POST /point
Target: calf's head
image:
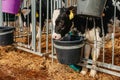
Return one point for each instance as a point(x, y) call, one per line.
point(25, 16)
point(63, 22)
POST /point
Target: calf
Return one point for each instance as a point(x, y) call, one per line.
point(89, 27)
point(64, 23)
point(26, 14)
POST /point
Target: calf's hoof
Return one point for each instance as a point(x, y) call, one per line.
point(84, 71)
point(93, 73)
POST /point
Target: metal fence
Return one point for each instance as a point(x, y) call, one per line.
point(26, 40)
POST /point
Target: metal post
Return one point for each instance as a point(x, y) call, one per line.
point(39, 31)
point(47, 26)
point(1, 17)
point(33, 2)
point(60, 3)
point(66, 3)
point(54, 4)
point(113, 35)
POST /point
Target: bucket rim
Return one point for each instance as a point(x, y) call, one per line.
point(75, 41)
point(6, 28)
point(69, 47)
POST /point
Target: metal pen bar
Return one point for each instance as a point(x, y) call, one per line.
point(105, 71)
point(66, 3)
point(33, 3)
point(103, 40)
point(47, 26)
point(52, 8)
point(30, 51)
point(113, 35)
point(57, 4)
point(60, 3)
point(28, 29)
point(69, 2)
point(106, 65)
point(40, 35)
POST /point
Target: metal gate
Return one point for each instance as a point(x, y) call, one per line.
point(25, 37)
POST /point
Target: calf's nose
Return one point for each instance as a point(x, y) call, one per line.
point(56, 36)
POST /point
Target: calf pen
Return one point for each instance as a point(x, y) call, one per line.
point(26, 40)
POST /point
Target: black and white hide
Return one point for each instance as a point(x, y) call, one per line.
point(92, 28)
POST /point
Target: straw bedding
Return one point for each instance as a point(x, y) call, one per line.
point(19, 65)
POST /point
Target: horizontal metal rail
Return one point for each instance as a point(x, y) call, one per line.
point(109, 67)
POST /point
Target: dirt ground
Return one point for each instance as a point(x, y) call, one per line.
point(19, 65)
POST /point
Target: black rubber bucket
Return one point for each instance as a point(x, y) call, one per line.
point(91, 7)
point(68, 52)
point(6, 35)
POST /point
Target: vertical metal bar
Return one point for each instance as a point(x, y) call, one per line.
point(113, 34)
point(57, 4)
point(103, 40)
point(27, 4)
point(71, 2)
point(24, 3)
point(40, 14)
point(52, 3)
point(60, 3)
point(95, 44)
point(8, 20)
point(66, 3)
point(1, 17)
point(33, 3)
point(47, 26)
point(75, 2)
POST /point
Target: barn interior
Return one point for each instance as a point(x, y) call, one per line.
point(32, 56)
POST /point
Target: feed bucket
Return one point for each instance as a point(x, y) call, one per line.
point(11, 6)
point(68, 52)
point(91, 7)
point(6, 35)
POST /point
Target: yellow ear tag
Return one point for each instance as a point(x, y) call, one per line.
point(71, 16)
point(18, 14)
point(37, 15)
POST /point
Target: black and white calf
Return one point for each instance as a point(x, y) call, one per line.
point(89, 27)
point(64, 23)
point(26, 15)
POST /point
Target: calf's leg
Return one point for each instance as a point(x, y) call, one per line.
point(86, 56)
point(95, 54)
